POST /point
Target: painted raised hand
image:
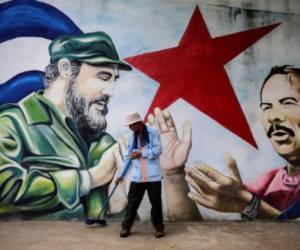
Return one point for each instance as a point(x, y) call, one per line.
point(175, 151)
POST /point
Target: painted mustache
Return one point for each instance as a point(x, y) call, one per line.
point(279, 127)
point(102, 98)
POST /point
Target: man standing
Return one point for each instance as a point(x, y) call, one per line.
point(144, 149)
point(276, 190)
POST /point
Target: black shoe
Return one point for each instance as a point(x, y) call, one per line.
point(95, 221)
point(159, 234)
point(124, 233)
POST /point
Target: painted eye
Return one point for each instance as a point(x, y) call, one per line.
point(289, 103)
point(105, 76)
point(265, 107)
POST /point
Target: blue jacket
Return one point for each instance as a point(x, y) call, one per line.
point(146, 168)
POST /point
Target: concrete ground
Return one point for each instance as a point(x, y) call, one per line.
point(56, 235)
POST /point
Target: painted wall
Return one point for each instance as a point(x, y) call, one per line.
point(204, 61)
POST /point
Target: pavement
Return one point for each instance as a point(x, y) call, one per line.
point(74, 235)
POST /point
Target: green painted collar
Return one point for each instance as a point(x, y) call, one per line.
point(35, 108)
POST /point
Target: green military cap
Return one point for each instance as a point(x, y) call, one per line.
point(95, 48)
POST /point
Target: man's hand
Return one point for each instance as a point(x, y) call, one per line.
point(175, 151)
point(135, 155)
point(217, 191)
point(118, 181)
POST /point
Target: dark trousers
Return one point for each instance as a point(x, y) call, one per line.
point(135, 196)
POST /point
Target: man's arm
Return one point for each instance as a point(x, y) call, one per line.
point(172, 160)
point(154, 150)
point(224, 193)
point(24, 187)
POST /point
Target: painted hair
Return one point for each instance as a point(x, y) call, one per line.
point(52, 72)
point(287, 70)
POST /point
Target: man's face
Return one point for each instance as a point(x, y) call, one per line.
point(281, 114)
point(95, 82)
point(136, 127)
point(88, 95)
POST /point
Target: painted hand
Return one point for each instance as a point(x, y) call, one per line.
point(119, 151)
point(119, 199)
point(175, 151)
point(217, 191)
point(110, 164)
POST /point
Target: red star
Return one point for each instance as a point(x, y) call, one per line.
point(194, 71)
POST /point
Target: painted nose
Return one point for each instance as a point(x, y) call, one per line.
point(276, 116)
point(109, 89)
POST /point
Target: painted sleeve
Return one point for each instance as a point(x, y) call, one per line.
point(261, 183)
point(25, 187)
point(154, 149)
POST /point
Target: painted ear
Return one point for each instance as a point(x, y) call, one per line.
point(64, 68)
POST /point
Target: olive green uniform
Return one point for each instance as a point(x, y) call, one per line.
point(44, 161)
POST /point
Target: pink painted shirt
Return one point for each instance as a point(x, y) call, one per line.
point(276, 188)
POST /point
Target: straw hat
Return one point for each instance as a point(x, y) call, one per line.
point(132, 118)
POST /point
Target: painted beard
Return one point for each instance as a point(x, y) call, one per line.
point(91, 122)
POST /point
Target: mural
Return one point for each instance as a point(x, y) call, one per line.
point(61, 136)
point(277, 190)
